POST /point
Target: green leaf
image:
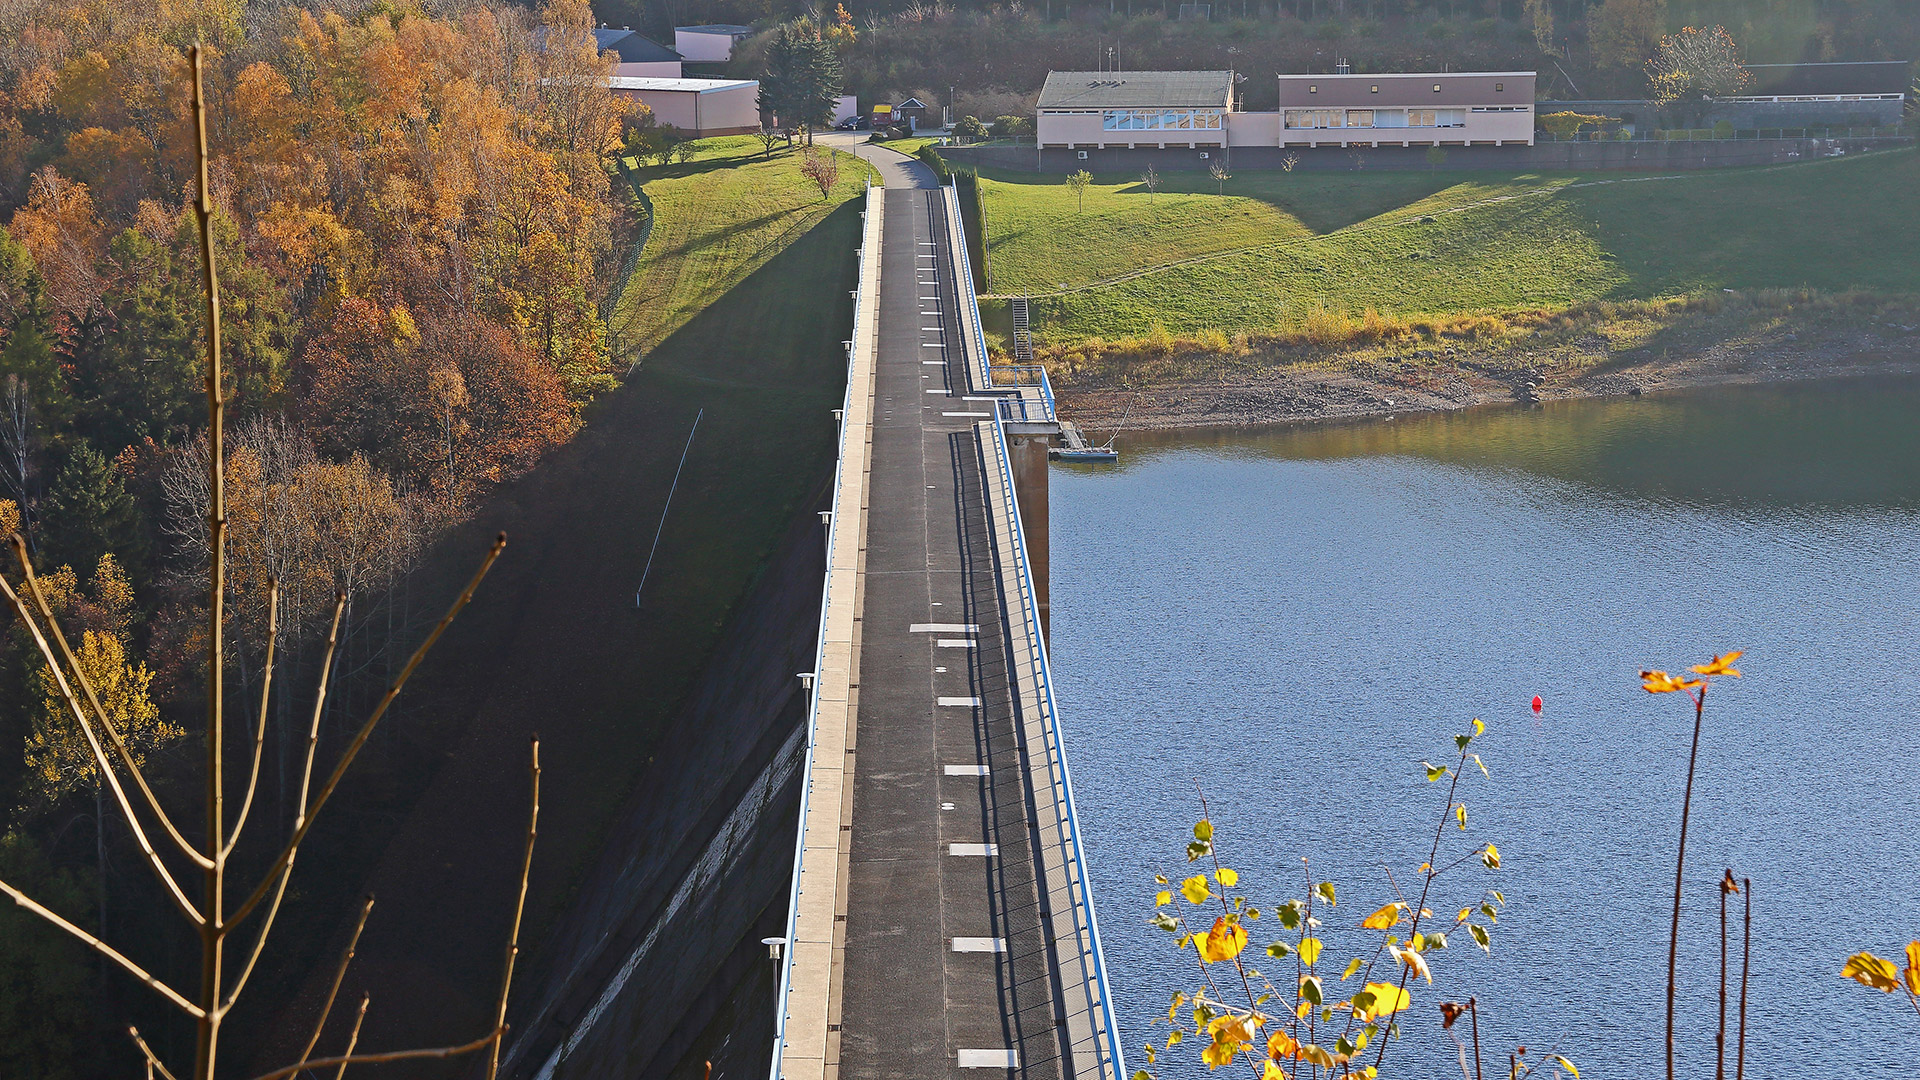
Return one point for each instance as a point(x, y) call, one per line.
point(1196, 849)
point(1165, 922)
point(1487, 910)
point(1326, 893)
point(1203, 830)
point(1310, 990)
point(1367, 1033)
point(1480, 936)
point(1353, 965)
point(1436, 940)
point(1363, 1001)
point(1142, 1074)
point(1345, 1046)
point(1173, 1038)
point(1461, 741)
point(1497, 898)
point(1290, 915)
point(1434, 772)
point(1279, 950)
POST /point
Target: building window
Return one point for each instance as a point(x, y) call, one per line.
point(1436, 88)
point(1499, 88)
point(1160, 120)
point(1312, 89)
point(1375, 90)
point(1319, 118)
point(1420, 118)
point(1359, 117)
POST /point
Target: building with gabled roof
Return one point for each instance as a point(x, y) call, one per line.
point(636, 56)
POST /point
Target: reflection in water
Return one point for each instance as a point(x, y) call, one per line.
point(1832, 443)
point(1324, 606)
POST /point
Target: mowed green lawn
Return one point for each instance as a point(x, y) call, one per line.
point(1278, 245)
point(719, 217)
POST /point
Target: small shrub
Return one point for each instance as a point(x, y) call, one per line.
point(970, 127)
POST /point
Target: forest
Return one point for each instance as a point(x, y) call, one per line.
point(417, 232)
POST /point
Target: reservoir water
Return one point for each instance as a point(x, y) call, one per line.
point(1296, 618)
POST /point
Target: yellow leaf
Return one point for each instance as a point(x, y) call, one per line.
point(1230, 1034)
point(1719, 665)
point(1301, 1010)
point(1387, 999)
point(1491, 857)
point(1870, 970)
point(1384, 919)
point(1174, 1037)
point(1281, 1045)
point(1223, 942)
point(1415, 961)
point(1353, 965)
point(1217, 1054)
point(1659, 682)
point(1162, 897)
point(1460, 814)
point(1478, 727)
point(1568, 1065)
point(1226, 877)
point(1912, 973)
point(1195, 889)
point(1317, 1056)
point(1309, 950)
point(1272, 1072)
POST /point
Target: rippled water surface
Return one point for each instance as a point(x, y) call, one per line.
point(1296, 618)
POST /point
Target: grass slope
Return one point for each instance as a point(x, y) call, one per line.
point(1279, 246)
point(719, 217)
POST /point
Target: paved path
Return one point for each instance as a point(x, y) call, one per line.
point(896, 170)
point(946, 966)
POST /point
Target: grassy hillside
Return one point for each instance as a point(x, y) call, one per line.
point(1279, 247)
point(719, 217)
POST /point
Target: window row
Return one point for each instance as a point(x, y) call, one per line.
point(1376, 118)
point(1160, 120)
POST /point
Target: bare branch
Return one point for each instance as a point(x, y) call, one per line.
point(103, 949)
point(375, 1059)
point(353, 1039)
point(339, 975)
point(366, 730)
point(260, 730)
point(113, 734)
point(519, 906)
point(153, 1060)
point(286, 875)
point(93, 742)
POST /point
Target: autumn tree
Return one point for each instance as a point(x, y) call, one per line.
point(822, 169)
point(1694, 66)
point(1540, 15)
point(1625, 33)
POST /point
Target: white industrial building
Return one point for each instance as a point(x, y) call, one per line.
point(709, 44)
point(697, 107)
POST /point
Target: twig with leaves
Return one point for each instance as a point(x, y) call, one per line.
point(211, 919)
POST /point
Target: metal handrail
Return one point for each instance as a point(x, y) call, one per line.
point(860, 301)
point(969, 300)
point(1069, 821)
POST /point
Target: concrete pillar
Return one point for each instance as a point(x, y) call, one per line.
point(1029, 454)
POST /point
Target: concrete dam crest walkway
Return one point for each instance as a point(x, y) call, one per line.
point(940, 924)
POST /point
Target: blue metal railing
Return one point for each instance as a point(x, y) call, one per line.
point(1066, 817)
point(978, 362)
point(860, 302)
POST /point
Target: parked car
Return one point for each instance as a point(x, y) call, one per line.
point(853, 123)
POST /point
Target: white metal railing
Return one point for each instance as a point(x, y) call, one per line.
point(1106, 1033)
point(861, 300)
point(983, 375)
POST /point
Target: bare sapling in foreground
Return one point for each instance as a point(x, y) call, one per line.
point(214, 918)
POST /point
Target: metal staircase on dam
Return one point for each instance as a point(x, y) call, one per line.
point(940, 921)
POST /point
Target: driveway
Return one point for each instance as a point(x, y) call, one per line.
point(896, 170)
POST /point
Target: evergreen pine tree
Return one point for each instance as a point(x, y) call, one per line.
point(88, 513)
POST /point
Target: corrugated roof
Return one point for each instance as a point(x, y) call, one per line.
point(717, 28)
point(631, 48)
point(1136, 89)
point(683, 86)
point(1863, 77)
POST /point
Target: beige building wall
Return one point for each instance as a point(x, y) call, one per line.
point(729, 109)
point(1492, 108)
point(663, 69)
point(1086, 129)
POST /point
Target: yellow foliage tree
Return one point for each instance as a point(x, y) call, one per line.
point(58, 757)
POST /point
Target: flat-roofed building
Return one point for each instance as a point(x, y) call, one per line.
point(1492, 108)
point(1101, 109)
point(697, 107)
point(636, 56)
point(712, 43)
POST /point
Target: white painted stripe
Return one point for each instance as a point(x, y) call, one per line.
point(957, 643)
point(933, 345)
point(958, 702)
point(989, 1059)
point(942, 393)
point(988, 850)
point(980, 944)
point(966, 770)
point(981, 415)
point(935, 363)
point(944, 628)
point(928, 243)
point(970, 398)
